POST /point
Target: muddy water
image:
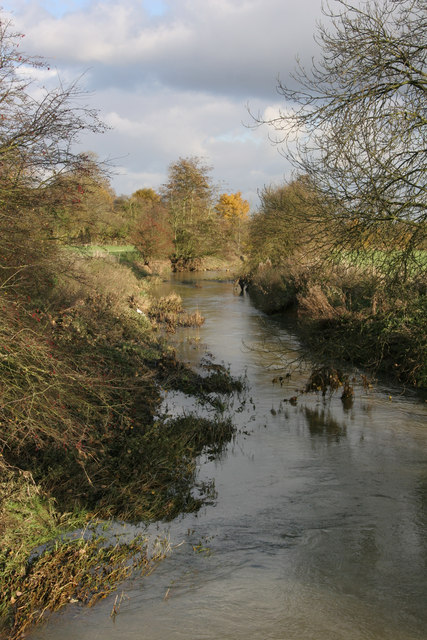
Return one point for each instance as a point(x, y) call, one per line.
point(319, 530)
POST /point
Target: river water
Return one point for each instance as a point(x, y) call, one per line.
point(319, 529)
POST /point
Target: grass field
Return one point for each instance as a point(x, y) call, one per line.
point(125, 253)
point(96, 249)
point(387, 260)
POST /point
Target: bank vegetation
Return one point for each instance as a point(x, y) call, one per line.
point(345, 243)
point(85, 362)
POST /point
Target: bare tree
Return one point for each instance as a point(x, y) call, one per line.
point(38, 130)
point(355, 124)
point(38, 126)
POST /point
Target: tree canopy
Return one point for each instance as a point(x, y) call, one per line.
point(38, 129)
point(355, 124)
point(233, 211)
point(188, 194)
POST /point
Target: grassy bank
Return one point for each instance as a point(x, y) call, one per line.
point(346, 314)
point(84, 367)
point(129, 255)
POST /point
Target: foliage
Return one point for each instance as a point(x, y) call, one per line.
point(188, 195)
point(282, 225)
point(152, 233)
point(37, 129)
point(81, 570)
point(346, 315)
point(232, 207)
point(356, 125)
point(391, 342)
point(82, 371)
point(42, 568)
point(146, 195)
point(169, 310)
point(83, 375)
point(345, 243)
point(233, 211)
point(82, 210)
point(37, 125)
point(28, 520)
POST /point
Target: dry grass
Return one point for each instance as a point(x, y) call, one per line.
point(169, 311)
point(314, 303)
point(80, 432)
point(347, 314)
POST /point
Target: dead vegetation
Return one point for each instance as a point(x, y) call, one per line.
point(82, 434)
point(347, 314)
point(169, 311)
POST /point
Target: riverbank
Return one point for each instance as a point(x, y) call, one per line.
point(129, 256)
point(345, 315)
point(83, 435)
point(318, 524)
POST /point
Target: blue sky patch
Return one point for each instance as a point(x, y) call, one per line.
point(155, 7)
point(54, 7)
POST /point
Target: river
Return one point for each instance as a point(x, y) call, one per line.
point(319, 529)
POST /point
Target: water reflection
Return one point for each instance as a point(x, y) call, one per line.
point(322, 423)
point(421, 518)
point(347, 403)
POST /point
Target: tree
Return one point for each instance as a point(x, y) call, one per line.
point(275, 228)
point(233, 211)
point(146, 195)
point(355, 124)
point(152, 233)
point(81, 204)
point(129, 212)
point(282, 226)
point(38, 127)
point(188, 194)
point(232, 207)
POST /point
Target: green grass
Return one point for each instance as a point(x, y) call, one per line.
point(386, 261)
point(92, 250)
point(126, 248)
point(125, 254)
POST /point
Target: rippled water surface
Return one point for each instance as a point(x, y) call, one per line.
point(319, 530)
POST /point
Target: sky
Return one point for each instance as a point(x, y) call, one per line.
point(176, 79)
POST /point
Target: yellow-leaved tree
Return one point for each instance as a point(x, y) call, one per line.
point(234, 211)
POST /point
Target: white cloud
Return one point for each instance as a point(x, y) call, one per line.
point(227, 46)
point(173, 77)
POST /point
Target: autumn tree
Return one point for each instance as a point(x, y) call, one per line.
point(151, 232)
point(355, 123)
point(233, 212)
point(146, 195)
point(38, 127)
point(283, 224)
point(188, 195)
point(82, 210)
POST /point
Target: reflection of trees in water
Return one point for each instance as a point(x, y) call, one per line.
point(421, 519)
point(321, 423)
